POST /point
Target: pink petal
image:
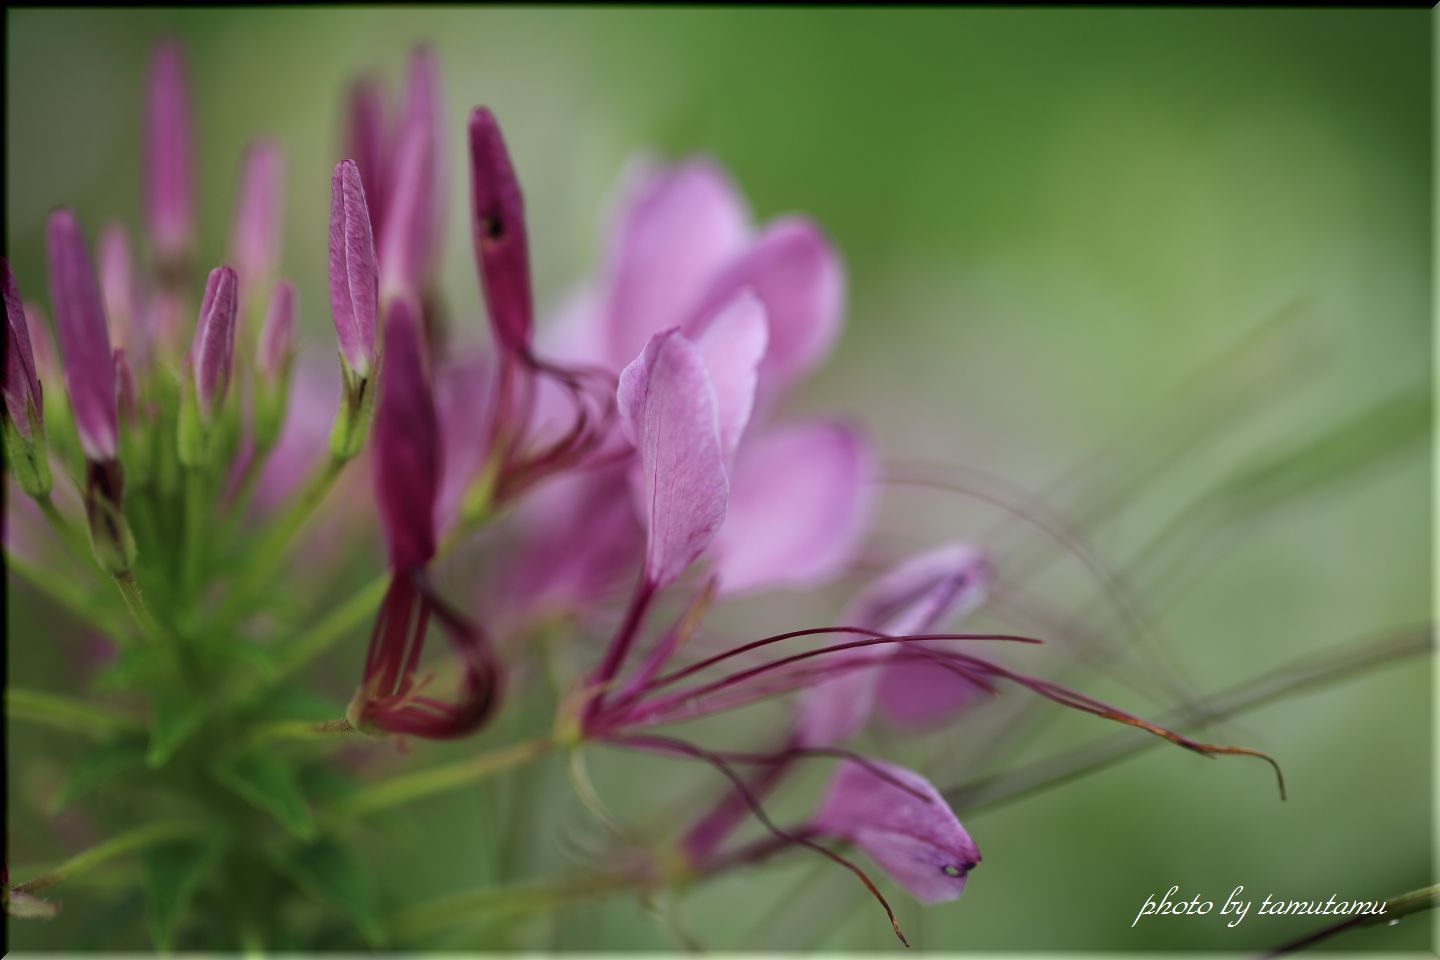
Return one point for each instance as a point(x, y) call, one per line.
point(675, 229)
point(668, 411)
point(731, 348)
point(798, 277)
point(799, 500)
point(917, 840)
point(462, 395)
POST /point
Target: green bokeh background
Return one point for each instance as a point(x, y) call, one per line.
point(1050, 218)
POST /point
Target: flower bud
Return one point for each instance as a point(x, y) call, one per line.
point(407, 444)
point(498, 227)
point(84, 339)
point(354, 278)
point(367, 142)
point(169, 194)
point(272, 367)
point(24, 425)
point(120, 291)
point(255, 236)
point(212, 352)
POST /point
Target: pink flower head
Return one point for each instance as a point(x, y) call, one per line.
point(915, 597)
point(212, 351)
point(120, 290)
point(407, 444)
point(24, 399)
point(277, 335)
point(255, 235)
point(354, 277)
point(367, 143)
point(169, 191)
point(498, 226)
point(904, 825)
point(84, 339)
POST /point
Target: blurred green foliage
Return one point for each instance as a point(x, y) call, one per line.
point(1050, 218)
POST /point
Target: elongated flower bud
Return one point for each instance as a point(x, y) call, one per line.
point(212, 352)
point(169, 191)
point(354, 278)
point(84, 339)
point(406, 242)
point(407, 444)
point(425, 108)
point(367, 143)
point(277, 336)
point(277, 352)
point(126, 392)
point(24, 426)
point(497, 224)
point(255, 240)
point(24, 400)
point(120, 291)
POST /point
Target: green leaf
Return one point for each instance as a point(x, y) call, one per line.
point(100, 766)
point(173, 875)
point(268, 784)
point(171, 722)
point(328, 872)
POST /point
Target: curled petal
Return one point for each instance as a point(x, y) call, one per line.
point(675, 229)
point(798, 277)
point(407, 444)
point(354, 276)
point(169, 192)
point(799, 501)
point(84, 339)
point(24, 399)
point(498, 227)
point(911, 832)
point(390, 697)
point(668, 411)
point(212, 352)
point(732, 348)
point(255, 240)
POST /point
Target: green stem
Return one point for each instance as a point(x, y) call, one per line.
point(76, 540)
point(63, 591)
point(195, 530)
point(503, 901)
point(336, 624)
point(135, 603)
point(65, 713)
point(424, 783)
point(1416, 901)
point(151, 835)
point(301, 730)
point(268, 555)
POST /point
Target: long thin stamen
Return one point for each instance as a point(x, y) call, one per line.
point(690, 750)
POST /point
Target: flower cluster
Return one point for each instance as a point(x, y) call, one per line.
point(637, 453)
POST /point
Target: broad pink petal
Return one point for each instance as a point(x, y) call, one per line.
point(668, 412)
point(799, 278)
point(917, 840)
point(676, 228)
point(799, 501)
point(732, 347)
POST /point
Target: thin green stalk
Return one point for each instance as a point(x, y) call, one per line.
point(140, 838)
point(72, 536)
point(195, 530)
point(268, 555)
point(63, 591)
point(130, 592)
point(65, 713)
point(1416, 901)
point(336, 624)
point(301, 730)
point(510, 900)
point(428, 782)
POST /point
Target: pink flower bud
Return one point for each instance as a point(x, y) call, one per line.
point(212, 351)
point(255, 237)
point(277, 336)
point(169, 191)
point(84, 339)
point(24, 400)
point(354, 277)
point(407, 444)
point(498, 227)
